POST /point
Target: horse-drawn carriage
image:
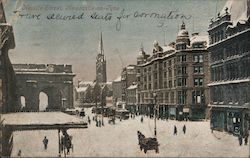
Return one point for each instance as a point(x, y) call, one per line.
point(147, 143)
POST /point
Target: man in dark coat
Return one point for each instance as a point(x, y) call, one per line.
point(45, 143)
point(175, 130)
point(184, 129)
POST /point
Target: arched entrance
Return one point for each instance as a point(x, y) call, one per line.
point(23, 102)
point(50, 98)
point(43, 101)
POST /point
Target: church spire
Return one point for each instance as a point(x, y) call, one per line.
point(101, 46)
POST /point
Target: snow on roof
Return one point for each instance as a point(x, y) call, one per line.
point(118, 79)
point(85, 83)
point(109, 83)
point(81, 89)
point(238, 10)
point(199, 38)
point(167, 48)
point(130, 67)
point(132, 86)
point(35, 118)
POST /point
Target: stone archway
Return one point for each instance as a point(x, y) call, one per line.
point(56, 81)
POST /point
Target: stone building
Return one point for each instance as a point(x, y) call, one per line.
point(101, 74)
point(8, 95)
point(229, 38)
point(117, 89)
point(128, 77)
point(132, 100)
point(84, 93)
point(174, 78)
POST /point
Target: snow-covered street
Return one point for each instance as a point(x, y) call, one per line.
point(120, 140)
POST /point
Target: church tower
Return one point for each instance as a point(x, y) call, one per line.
point(101, 75)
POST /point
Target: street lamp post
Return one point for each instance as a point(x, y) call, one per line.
point(155, 96)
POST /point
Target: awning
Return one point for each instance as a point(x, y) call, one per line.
point(228, 106)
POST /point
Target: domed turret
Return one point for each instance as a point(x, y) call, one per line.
point(182, 36)
point(142, 56)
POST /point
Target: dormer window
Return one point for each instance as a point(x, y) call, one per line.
point(181, 46)
point(198, 45)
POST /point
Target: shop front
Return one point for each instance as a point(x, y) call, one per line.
point(172, 113)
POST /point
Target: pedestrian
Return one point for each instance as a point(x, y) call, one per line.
point(89, 120)
point(175, 130)
point(100, 123)
point(19, 154)
point(246, 138)
point(184, 129)
point(141, 119)
point(240, 139)
point(45, 143)
point(96, 123)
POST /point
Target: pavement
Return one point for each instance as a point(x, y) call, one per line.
point(120, 140)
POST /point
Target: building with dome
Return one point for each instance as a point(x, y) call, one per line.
point(174, 78)
point(229, 44)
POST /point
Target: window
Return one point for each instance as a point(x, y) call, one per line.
point(149, 68)
point(181, 97)
point(155, 85)
point(182, 70)
point(170, 73)
point(145, 69)
point(149, 86)
point(145, 79)
point(165, 84)
point(166, 97)
point(172, 97)
point(169, 63)
point(169, 84)
point(198, 69)
point(149, 77)
point(182, 58)
point(198, 81)
point(165, 64)
point(165, 74)
point(181, 82)
point(198, 58)
point(198, 97)
point(155, 75)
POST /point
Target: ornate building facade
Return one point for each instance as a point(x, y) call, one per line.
point(229, 35)
point(8, 95)
point(101, 74)
point(174, 78)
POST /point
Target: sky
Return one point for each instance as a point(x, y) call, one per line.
point(68, 31)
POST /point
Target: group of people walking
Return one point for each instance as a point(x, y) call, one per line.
point(183, 129)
